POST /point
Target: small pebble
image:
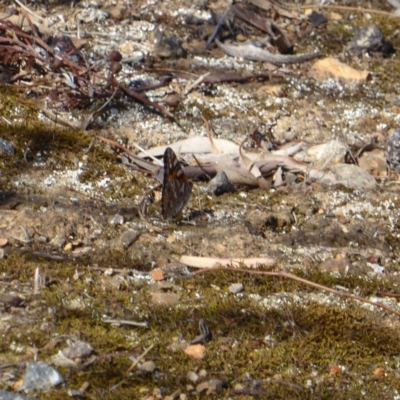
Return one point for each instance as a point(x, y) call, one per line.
point(192, 376)
point(213, 386)
point(78, 349)
point(171, 100)
point(147, 366)
point(41, 377)
point(157, 275)
point(197, 351)
point(220, 184)
point(203, 373)
point(236, 288)
point(129, 237)
point(116, 220)
point(6, 148)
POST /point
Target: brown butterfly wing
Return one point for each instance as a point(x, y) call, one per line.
point(176, 188)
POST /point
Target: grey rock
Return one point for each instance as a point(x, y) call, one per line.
point(6, 148)
point(129, 237)
point(369, 39)
point(353, 177)
point(236, 288)
point(78, 349)
point(41, 377)
point(192, 376)
point(167, 46)
point(220, 184)
point(116, 220)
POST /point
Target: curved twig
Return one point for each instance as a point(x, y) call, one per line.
point(283, 274)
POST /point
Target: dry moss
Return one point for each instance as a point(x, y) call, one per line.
point(291, 349)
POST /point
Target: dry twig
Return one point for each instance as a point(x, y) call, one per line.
point(283, 274)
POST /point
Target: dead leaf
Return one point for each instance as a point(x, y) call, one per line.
point(278, 178)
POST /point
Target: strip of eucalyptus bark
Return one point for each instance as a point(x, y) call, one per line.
point(253, 53)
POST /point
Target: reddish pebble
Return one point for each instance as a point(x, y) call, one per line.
point(157, 275)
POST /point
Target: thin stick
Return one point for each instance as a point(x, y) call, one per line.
point(36, 281)
point(131, 367)
point(287, 275)
point(218, 26)
point(139, 358)
point(118, 270)
point(29, 11)
point(125, 322)
point(191, 86)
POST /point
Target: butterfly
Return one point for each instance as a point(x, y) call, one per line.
point(176, 188)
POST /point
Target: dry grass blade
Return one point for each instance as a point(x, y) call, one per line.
point(218, 26)
point(192, 85)
point(214, 147)
point(139, 358)
point(38, 17)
